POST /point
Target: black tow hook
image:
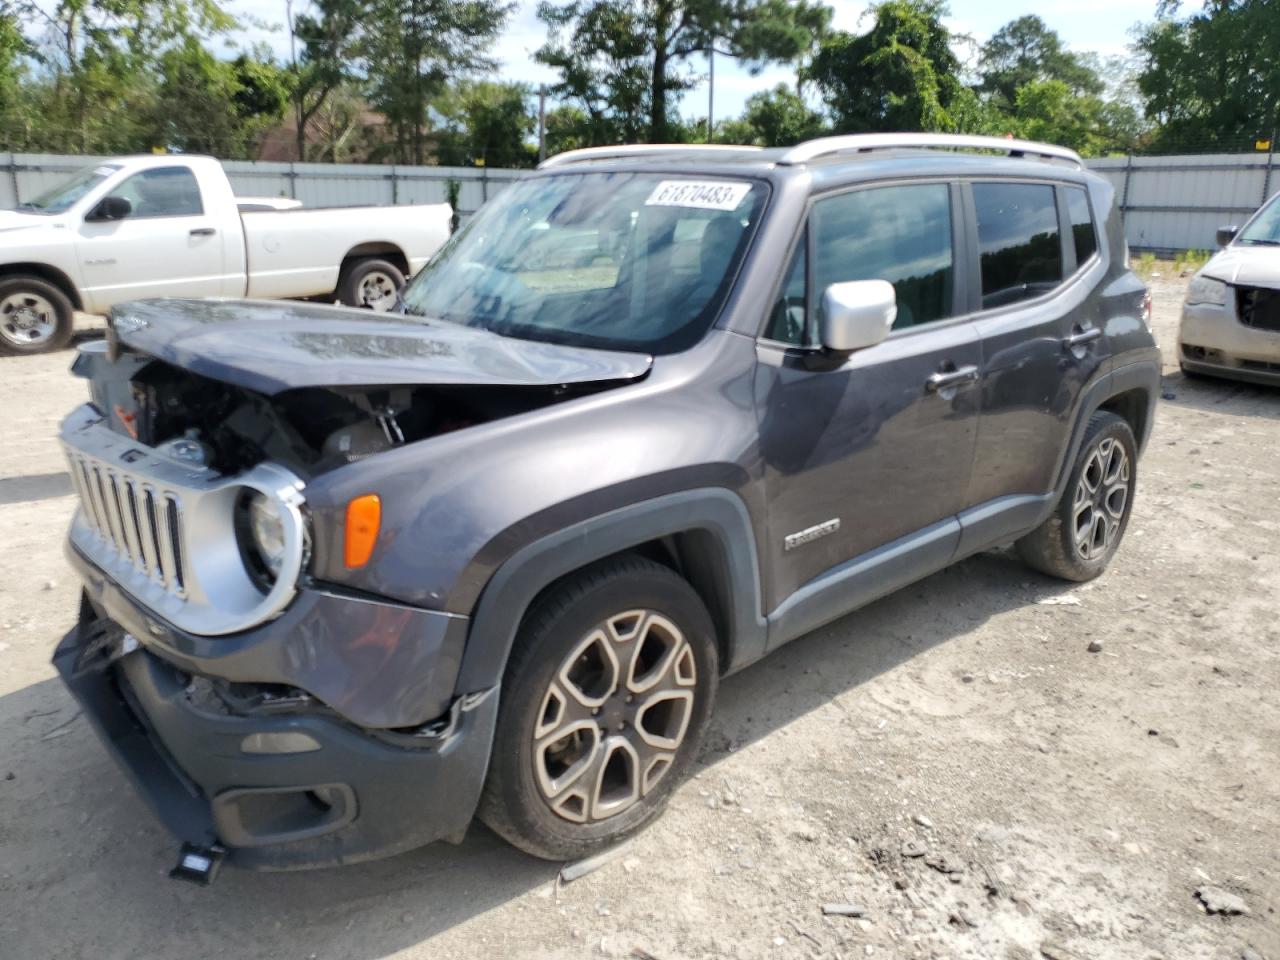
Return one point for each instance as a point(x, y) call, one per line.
point(198, 865)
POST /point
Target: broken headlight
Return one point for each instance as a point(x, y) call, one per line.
point(260, 528)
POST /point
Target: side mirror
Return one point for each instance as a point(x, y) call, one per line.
point(857, 314)
point(111, 208)
point(1226, 235)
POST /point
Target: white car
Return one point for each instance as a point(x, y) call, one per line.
point(1231, 317)
point(161, 226)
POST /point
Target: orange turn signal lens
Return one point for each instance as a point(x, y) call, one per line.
point(364, 517)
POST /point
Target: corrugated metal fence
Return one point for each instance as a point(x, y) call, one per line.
point(1170, 203)
point(1173, 204)
point(26, 175)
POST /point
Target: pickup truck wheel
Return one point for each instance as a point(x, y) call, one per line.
point(35, 316)
point(604, 704)
point(371, 283)
point(1081, 536)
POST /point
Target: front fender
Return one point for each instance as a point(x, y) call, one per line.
point(716, 511)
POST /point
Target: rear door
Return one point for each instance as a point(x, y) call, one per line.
point(863, 452)
point(1034, 271)
point(168, 246)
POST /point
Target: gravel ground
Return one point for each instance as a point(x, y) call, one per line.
point(1066, 803)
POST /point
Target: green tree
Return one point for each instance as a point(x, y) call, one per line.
point(219, 107)
point(94, 68)
point(488, 124)
point(1212, 79)
point(413, 48)
point(774, 118)
point(902, 74)
point(329, 35)
point(622, 61)
point(14, 50)
point(1026, 51)
point(602, 56)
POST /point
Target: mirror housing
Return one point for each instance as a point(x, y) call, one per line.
point(857, 314)
point(110, 208)
point(1226, 235)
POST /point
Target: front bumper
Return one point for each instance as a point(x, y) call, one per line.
point(1211, 340)
point(351, 796)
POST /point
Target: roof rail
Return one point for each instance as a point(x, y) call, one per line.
point(863, 142)
point(634, 149)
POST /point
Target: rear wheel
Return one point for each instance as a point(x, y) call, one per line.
point(372, 283)
point(35, 316)
point(603, 707)
point(1083, 532)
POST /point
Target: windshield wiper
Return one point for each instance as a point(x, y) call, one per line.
point(27, 206)
point(1260, 241)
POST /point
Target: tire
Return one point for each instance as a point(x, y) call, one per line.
point(361, 279)
point(35, 316)
point(1086, 527)
point(652, 617)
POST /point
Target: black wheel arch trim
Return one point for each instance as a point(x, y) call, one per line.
point(515, 584)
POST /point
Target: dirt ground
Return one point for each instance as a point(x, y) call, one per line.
point(1082, 798)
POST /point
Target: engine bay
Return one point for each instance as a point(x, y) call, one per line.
point(310, 430)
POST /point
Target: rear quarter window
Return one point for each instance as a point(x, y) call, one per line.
point(1019, 241)
point(1083, 232)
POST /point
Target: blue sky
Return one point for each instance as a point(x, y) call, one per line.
point(1100, 25)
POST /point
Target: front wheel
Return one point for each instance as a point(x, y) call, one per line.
point(371, 283)
point(35, 316)
point(1083, 532)
point(604, 705)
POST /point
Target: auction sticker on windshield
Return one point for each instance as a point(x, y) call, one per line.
point(700, 194)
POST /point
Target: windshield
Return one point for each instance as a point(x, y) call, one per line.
point(619, 261)
point(1265, 228)
point(65, 194)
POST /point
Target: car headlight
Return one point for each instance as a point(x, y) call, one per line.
point(1207, 290)
point(260, 526)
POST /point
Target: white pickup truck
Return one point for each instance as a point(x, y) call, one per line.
point(158, 226)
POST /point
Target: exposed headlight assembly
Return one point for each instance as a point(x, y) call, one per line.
point(261, 529)
point(1204, 289)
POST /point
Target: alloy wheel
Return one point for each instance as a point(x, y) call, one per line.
point(1101, 496)
point(613, 716)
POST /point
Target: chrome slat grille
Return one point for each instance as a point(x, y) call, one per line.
point(165, 531)
point(142, 525)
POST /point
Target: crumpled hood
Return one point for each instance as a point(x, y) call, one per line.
point(270, 346)
point(1244, 265)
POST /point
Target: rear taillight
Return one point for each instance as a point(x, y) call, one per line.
point(1146, 308)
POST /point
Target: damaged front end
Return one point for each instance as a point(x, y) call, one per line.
point(265, 776)
point(286, 721)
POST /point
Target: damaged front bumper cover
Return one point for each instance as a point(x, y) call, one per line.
point(276, 790)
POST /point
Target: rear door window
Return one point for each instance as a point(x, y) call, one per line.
point(1019, 241)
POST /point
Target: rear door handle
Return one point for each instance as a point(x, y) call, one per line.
point(203, 232)
point(1082, 338)
point(944, 379)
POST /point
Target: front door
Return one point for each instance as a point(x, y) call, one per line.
point(167, 246)
point(877, 448)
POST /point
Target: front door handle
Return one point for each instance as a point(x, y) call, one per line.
point(1082, 337)
point(203, 232)
point(945, 379)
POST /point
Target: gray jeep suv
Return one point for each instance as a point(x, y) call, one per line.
point(352, 580)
